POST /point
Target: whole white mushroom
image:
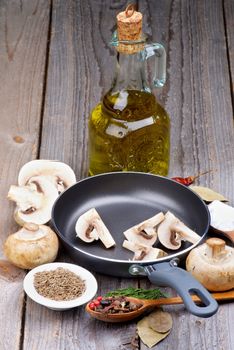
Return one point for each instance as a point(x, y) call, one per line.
point(212, 264)
point(31, 246)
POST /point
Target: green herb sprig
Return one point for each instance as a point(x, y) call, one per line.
point(139, 293)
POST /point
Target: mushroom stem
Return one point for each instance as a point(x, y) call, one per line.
point(216, 247)
point(143, 252)
point(172, 231)
point(185, 232)
point(131, 245)
point(30, 226)
point(26, 197)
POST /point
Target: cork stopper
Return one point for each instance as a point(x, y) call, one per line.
point(129, 28)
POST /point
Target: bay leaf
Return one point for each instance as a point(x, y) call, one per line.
point(208, 194)
point(160, 321)
point(148, 335)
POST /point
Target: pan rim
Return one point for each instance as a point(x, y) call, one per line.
point(130, 262)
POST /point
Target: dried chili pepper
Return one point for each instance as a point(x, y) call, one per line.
point(114, 304)
point(186, 181)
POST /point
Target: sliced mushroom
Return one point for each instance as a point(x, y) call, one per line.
point(60, 174)
point(85, 228)
point(90, 227)
point(145, 232)
point(143, 252)
point(172, 231)
point(34, 201)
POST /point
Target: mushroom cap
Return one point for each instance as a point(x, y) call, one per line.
point(212, 264)
point(55, 171)
point(85, 228)
point(34, 204)
point(30, 247)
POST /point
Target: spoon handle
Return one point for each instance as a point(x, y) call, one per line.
point(178, 300)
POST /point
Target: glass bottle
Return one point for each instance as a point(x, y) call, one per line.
point(129, 130)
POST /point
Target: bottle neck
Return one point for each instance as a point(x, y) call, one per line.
point(130, 73)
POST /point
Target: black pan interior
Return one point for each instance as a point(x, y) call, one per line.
point(123, 200)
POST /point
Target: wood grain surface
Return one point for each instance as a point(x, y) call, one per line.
point(56, 63)
point(198, 99)
point(23, 46)
point(197, 94)
point(79, 59)
point(229, 25)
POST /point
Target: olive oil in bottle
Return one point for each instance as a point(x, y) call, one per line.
point(129, 130)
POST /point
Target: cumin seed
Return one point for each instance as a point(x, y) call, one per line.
point(60, 284)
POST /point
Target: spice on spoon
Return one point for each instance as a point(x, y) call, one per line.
point(113, 305)
point(60, 284)
point(116, 301)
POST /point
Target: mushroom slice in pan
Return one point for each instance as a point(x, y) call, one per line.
point(34, 201)
point(143, 252)
point(90, 227)
point(60, 174)
point(145, 232)
point(172, 231)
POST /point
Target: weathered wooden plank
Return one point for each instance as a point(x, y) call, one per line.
point(197, 94)
point(198, 99)
point(80, 69)
point(229, 22)
point(74, 329)
point(23, 42)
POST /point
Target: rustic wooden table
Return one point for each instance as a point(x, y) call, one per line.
point(55, 64)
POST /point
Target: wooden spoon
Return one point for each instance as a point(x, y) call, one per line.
point(147, 304)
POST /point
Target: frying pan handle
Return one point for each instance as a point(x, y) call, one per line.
point(168, 274)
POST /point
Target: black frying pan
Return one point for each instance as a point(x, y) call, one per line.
point(123, 200)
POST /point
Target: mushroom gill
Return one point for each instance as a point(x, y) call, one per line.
point(59, 174)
